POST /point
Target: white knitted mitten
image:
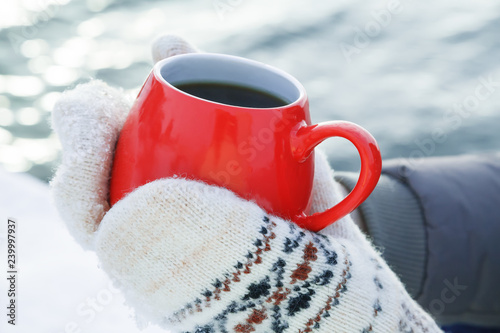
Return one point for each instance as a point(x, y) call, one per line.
point(197, 258)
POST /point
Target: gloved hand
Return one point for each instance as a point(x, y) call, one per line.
point(194, 257)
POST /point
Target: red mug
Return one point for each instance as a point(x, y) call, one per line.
point(262, 154)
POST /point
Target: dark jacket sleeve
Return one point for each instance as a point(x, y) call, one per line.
point(437, 222)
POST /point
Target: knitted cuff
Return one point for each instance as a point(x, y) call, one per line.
point(396, 224)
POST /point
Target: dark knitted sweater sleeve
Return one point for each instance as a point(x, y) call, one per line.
point(437, 222)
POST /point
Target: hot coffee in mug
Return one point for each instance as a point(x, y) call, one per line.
point(232, 94)
point(236, 123)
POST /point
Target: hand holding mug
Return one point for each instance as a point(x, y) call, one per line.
point(194, 257)
point(239, 124)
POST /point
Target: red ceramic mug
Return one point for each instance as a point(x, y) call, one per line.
point(262, 154)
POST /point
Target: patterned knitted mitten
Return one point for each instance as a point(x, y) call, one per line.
point(197, 258)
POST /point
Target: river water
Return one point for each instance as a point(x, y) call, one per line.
point(422, 77)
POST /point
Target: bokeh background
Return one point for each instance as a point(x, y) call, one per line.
point(396, 67)
point(423, 77)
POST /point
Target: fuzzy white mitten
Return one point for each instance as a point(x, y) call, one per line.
point(197, 258)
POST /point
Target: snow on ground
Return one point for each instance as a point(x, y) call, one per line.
point(60, 287)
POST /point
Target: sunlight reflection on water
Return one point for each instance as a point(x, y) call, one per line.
point(399, 83)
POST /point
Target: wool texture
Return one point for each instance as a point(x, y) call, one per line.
point(170, 45)
point(87, 120)
point(327, 193)
point(197, 258)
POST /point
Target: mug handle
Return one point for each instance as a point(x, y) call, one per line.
point(303, 141)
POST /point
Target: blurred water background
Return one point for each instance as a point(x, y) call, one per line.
point(422, 77)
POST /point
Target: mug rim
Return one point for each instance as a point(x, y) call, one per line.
point(160, 65)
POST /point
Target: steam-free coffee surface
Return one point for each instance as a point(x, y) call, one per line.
point(232, 94)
